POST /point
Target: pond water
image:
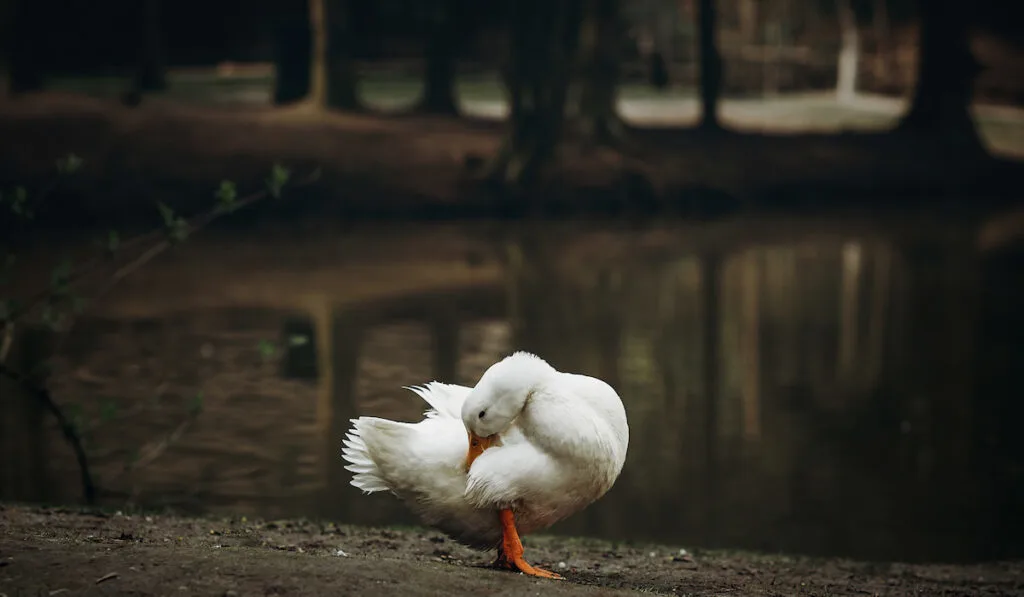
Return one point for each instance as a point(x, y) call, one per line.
point(841, 387)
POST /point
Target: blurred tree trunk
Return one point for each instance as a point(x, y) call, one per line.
point(600, 44)
point(542, 43)
point(332, 72)
point(150, 74)
point(22, 415)
point(18, 28)
point(945, 74)
point(292, 54)
point(710, 65)
point(7, 8)
point(659, 76)
point(441, 53)
point(319, 64)
point(884, 51)
point(849, 51)
point(662, 58)
point(750, 29)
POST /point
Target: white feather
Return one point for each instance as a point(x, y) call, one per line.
point(562, 448)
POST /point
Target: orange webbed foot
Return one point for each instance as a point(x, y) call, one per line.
point(502, 562)
point(510, 552)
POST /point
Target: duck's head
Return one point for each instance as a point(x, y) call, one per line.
point(499, 397)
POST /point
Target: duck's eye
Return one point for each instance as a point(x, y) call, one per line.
point(482, 414)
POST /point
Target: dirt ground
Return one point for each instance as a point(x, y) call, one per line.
point(61, 551)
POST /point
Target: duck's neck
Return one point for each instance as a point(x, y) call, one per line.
point(517, 375)
point(555, 422)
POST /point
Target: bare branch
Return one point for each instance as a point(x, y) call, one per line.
point(138, 408)
point(67, 429)
point(83, 272)
point(7, 340)
point(95, 264)
point(157, 449)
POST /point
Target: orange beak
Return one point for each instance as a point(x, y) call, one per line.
point(477, 445)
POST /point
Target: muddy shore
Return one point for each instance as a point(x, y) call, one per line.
point(68, 551)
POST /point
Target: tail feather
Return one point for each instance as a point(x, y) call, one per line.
point(423, 464)
point(377, 448)
point(444, 399)
point(366, 476)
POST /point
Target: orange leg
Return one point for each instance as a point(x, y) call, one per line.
point(510, 552)
point(502, 560)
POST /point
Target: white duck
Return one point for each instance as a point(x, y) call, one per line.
point(525, 448)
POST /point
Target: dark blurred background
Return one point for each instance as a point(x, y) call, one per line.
point(788, 232)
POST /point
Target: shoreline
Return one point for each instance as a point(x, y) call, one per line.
point(413, 168)
point(88, 551)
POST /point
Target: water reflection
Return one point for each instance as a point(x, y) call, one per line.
point(814, 390)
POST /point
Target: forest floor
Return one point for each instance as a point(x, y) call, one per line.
point(59, 551)
point(409, 166)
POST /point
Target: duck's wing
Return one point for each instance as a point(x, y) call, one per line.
point(444, 399)
point(374, 447)
point(605, 403)
point(402, 457)
point(516, 470)
point(380, 451)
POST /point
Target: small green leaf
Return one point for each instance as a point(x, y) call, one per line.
point(226, 195)
point(19, 203)
point(266, 348)
point(113, 241)
point(108, 410)
point(69, 164)
point(78, 304)
point(52, 317)
point(73, 413)
point(278, 178)
point(298, 340)
point(60, 277)
point(195, 406)
point(166, 213)
point(179, 231)
point(177, 228)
